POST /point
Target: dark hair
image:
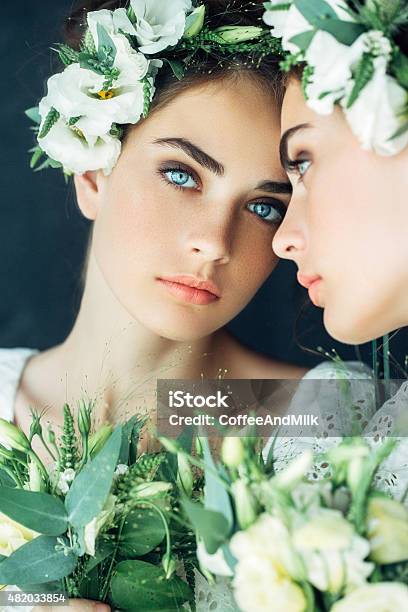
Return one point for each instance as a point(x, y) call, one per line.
point(208, 69)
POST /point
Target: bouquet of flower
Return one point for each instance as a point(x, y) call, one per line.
point(101, 522)
point(288, 542)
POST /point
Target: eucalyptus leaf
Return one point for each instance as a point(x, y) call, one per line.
point(36, 562)
point(137, 586)
point(6, 480)
point(33, 114)
point(216, 496)
point(102, 552)
point(345, 32)
point(303, 40)
point(315, 11)
point(38, 511)
point(211, 526)
point(90, 489)
point(142, 532)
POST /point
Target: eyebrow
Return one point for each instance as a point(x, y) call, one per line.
point(205, 160)
point(283, 147)
point(194, 152)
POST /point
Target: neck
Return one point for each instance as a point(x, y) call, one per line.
point(110, 357)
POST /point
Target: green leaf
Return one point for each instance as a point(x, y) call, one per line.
point(106, 46)
point(34, 114)
point(67, 55)
point(5, 479)
point(215, 494)
point(345, 32)
point(137, 585)
point(400, 68)
point(89, 62)
point(400, 131)
point(211, 526)
point(303, 40)
point(90, 489)
point(362, 76)
point(50, 120)
point(130, 437)
point(88, 43)
point(315, 11)
point(177, 67)
point(36, 562)
point(36, 156)
point(143, 530)
point(102, 552)
point(38, 511)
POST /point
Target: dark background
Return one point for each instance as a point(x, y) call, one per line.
point(43, 236)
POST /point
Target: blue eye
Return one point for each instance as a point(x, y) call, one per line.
point(303, 166)
point(180, 178)
point(271, 213)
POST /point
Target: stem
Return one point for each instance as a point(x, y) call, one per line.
point(105, 588)
point(85, 453)
point(17, 473)
point(203, 466)
point(166, 527)
point(47, 448)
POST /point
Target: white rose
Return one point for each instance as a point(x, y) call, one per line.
point(93, 528)
point(13, 535)
point(387, 530)
point(378, 112)
point(216, 563)
point(159, 23)
point(379, 597)
point(332, 553)
point(259, 587)
point(76, 154)
point(332, 64)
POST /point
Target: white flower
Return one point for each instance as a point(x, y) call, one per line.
point(121, 468)
point(387, 530)
point(216, 563)
point(376, 43)
point(332, 553)
point(159, 23)
point(258, 587)
point(378, 112)
point(332, 64)
point(270, 540)
point(291, 475)
point(76, 154)
point(380, 597)
point(13, 535)
point(65, 479)
point(93, 527)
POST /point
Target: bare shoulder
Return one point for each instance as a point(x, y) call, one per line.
point(246, 363)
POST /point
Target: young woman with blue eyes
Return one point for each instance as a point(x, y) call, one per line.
point(180, 244)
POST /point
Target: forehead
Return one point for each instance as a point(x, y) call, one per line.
point(228, 119)
point(294, 108)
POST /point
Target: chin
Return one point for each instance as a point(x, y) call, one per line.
point(348, 329)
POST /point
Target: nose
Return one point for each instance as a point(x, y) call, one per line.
point(212, 240)
point(289, 242)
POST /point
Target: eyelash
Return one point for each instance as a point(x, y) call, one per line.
point(293, 166)
point(162, 171)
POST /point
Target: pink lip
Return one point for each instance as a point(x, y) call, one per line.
point(311, 283)
point(191, 289)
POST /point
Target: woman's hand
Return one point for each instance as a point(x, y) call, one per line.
point(76, 605)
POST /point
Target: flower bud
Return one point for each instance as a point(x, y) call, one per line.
point(35, 482)
point(194, 22)
point(245, 503)
point(184, 474)
point(198, 447)
point(237, 34)
point(13, 436)
point(169, 565)
point(98, 439)
point(232, 451)
point(84, 418)
point(387, 530)
point(150, 489)
point(51, 435)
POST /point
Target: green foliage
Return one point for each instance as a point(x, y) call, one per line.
point(67, 55)
point(303, 40)
point(130, 434)
point(362, 76)
point(178, 68)
point(69, 447)
point(147, 96)
point(90, 488)
point(315, 11)
point(212, 526)
point(138, 585)
point(50, 120)
point(40, 560)
point(142, 532)
point(38, 511)
point(88, 43)
point(106, 47)
point(345, 32)
point(33, 113)
point(399, 67)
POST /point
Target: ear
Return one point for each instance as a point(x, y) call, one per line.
point(88, 190)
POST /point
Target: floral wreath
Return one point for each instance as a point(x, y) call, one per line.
point(350, 58)
point(110, 81)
